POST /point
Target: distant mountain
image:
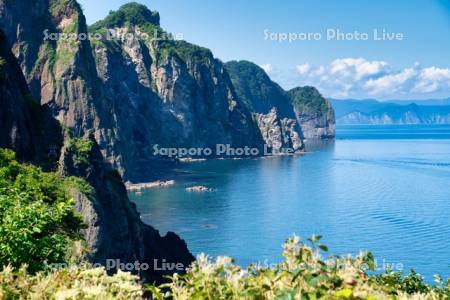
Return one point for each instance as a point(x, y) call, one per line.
point(396, 112)
point(430, 102)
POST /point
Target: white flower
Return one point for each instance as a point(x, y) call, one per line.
point(223, 261)
point(66, 294)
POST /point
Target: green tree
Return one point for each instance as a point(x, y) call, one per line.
point(38, 223)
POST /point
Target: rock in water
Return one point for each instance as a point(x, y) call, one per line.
point(199, 188)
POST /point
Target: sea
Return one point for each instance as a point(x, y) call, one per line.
point(383, 189)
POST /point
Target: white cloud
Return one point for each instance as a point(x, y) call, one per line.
point(432, 79)
point(357, 68)
point(318, 71)
point(391, 83)
point(303, 69)
point(359, 78)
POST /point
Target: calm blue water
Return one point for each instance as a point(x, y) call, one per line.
point(382, 188)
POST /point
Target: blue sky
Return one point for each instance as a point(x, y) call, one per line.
point(416, 67)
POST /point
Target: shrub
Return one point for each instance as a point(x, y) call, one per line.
point(302, 275)
point(70, 283)
point(38, 224)
point(82, 149)
point(130, 14)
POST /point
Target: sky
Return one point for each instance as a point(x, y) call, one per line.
point(333, 45)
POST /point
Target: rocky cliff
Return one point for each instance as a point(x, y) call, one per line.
point(165, 91)
point(314, 113)
point(269, 104)
point(114, 229)
point(299, 114)
point(17, 123)
point(131, 93)
point(134, 91)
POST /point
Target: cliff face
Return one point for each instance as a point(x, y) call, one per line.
point(133, 93)
point(16, 118)
point(67, 88)
point(303, 111)
point(314, 113)
point(130, 93)
point(165, 92)
point(115, 231)
point(269, 104)
point(59, 72)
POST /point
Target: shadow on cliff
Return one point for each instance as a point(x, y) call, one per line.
point(114, 228)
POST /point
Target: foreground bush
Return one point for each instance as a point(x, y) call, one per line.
point(302, 275)
point(73, 283)
point(38, 224)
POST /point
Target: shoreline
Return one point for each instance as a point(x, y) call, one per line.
point(138, 187)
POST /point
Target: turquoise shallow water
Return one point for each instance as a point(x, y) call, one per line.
point(382, 188)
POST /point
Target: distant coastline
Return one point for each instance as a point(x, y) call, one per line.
point(395, 112)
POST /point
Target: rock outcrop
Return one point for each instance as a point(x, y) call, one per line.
point(314, 113)
point(284, 118)
point(279, 133)
point(115, 231)
point(199, 189)
point(269, 104)
point(165, 92)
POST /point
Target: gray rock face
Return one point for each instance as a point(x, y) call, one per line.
point(173, 101)
point(269, 104)
point(16, 118)
point(61, 73)
point(115, 231)
point(68, 86)
point(279, 133)
point(313, 112)
point(317, 127)
point(303, 111)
